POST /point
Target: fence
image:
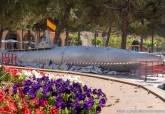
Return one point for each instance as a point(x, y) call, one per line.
point(152, 69)
point(9, 58)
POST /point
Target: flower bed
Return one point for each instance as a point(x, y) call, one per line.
point(46, 95)
point(7, 105)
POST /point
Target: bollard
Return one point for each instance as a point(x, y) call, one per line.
point(145, 79)
point(15, 59)
point(2, 58)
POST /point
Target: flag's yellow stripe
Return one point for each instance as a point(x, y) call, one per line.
point(51, 25)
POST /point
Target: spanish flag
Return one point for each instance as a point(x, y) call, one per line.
point(51, 25)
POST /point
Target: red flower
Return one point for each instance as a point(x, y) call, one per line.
point(45, 103)
point(6, 109)
point(53, 110)
point(13, 72)
point(38, 111)
point(21, 95)
point(13, 107)
point(19, 88)
point(1, 109)
point(24, 103)
point(26, 111)
point(1, 96)
point(6, 69)
point(7, 104)
point(36, 100)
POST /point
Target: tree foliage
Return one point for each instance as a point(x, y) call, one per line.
point(128, 16)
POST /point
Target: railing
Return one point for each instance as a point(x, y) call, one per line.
point(8, 58)
point(152, 69)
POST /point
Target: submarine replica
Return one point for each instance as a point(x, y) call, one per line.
point(111, 58)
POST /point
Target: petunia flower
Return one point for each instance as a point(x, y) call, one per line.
point(26, 111)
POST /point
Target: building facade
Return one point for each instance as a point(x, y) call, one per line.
point(24, 39)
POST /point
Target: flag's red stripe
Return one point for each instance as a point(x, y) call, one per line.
point(51, 21)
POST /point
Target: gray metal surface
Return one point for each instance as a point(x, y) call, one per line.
point(85, 56)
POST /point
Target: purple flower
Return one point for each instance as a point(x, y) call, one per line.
point(69, 104)
point(64, 94)
point(45, 94)
point(77, 103)
point(54, 93)
point(89, 103)
point(45, 88)
point(59, 103)
point(32, 95)
point(85, 88)
point(100, 93)
point(76, 85)
point(50, 88)
point(59, 81)
point(41, 101)
point(36, 86)
point(27, 82)
point(102, 102)
point(82, 97)
point(95, 91)
point(39, 80)
point(26, 89)
point(63, 88)
point(15, 88)
point(88, 93)
point(31, 92)
point(45, 78)
point(98, 109)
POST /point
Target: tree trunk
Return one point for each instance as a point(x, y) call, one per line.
point(39, 33)
point(22, 39)
point(39, 39)
point(95, 43)
point(108, 37)
point(152, 41)
point(1, 34)
point(58, 33)
point(57, 37)
point(66, 39)
point(141, 44)
point(124, 31)
point(79, 38)
point(62, 23)
point(125, 22)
